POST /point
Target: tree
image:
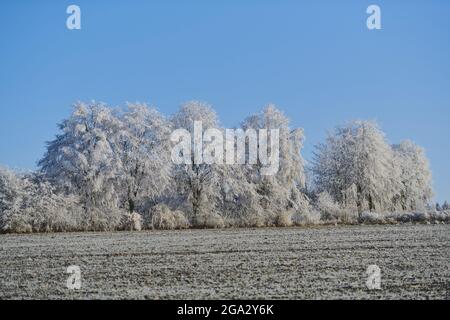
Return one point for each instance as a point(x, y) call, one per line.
point(11, 193)
point(415, 176)
point(47, 210)
point(283, 190)
point(142, 146)
point(30, 203)
point(81, 160)
point(196, 181)
point(355, 165)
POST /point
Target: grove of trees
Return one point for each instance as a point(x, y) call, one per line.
point(362, 172)
point(111, 169)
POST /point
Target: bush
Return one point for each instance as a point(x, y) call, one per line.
point(283, 219)
point(28, 203)
point(180, 220)
point(327, 207)
point(372, 218)
point(208, 220)
point(307, 217)
point(161, 217)
point(420, 217)
point(102, 219)
point(131, 221)
point(405, 217)
point(18, 224)
point(441, 216)
point(251, 220)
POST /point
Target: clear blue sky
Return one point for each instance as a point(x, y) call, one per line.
point(316, 60)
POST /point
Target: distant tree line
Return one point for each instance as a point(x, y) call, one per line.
point(111, 169)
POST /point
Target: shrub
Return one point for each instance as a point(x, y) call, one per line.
point(441, 216)
point(371, 218)
point(327, 207)
point(283, 219)
point(420, 217)
point(180, 220)
point(162, 217)
point(102, 219)
point(251, 220)
point(406, 217)
point(307, 217)
point(208, 220)
point(131, 221)
point(19, 224)
point(28, 203)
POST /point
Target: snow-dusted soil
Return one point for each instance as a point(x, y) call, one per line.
point(278, 263)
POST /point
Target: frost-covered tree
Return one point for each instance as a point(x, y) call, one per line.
point(196, 181)
point(11, 193)
point(327, 207)
point(104, 162)
point(28, 203)
point(445, 206)
point(142, 146)
point(356, 167)
point(415, 176)
point(82, 160)
point(282, 191)
point(47, 210)
point(238, 199)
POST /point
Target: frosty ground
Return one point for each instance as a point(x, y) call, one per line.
point(271, 263)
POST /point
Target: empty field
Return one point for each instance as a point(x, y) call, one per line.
point(270, 263)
